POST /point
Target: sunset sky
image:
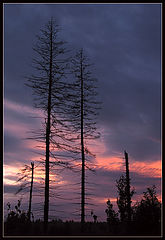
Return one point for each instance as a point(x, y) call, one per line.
point(124, 43)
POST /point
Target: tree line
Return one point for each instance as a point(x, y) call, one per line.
point(144, 218)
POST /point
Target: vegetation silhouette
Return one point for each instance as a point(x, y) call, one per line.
point(69, 108)
point(17, 220)
point(94, 216)
point(128, 194)
point(122, 199)
point(24, 178)
point(112, 216)
point(83, 109)
point(145, 221)
point(147, 212)
point(47, 82)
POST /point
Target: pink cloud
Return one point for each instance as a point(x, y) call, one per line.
point(20, 108)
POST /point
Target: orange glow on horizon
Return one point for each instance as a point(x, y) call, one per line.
point(102, 200)
point(39, 175)
point(117, 164)
point(110, 163)
point(150, 169)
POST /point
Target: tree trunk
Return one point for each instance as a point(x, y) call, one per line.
point(46, 206)
point(31, 189)
point(128, 187)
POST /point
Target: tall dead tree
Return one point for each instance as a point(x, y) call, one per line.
point(31, 190)
point(47, 83)
point(84, 110)
point(128, 187)
point(125, 193)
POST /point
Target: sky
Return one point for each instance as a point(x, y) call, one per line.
point(124, 43)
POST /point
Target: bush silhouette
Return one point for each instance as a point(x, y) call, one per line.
point(147, 212)
point(17, 215)
point(112, 216)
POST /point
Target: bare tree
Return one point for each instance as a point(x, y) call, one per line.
point(26, 181)
point(48, 85)
point(24, 178)
point(84, 110)
point(128, 187)
point(31, 190)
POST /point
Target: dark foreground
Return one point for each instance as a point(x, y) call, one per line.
point(56, 228)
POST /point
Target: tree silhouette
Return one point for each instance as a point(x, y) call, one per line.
point(47, 83)
point(17, 215)
point(122, 199)
point(24, 177)
point(26, 183)
point(84, 110)
point(31, 190)
point(128, 194)
point(112, 216)
point(147, 212)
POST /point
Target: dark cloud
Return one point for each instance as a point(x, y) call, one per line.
point(10, 188)
point(11, 143)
